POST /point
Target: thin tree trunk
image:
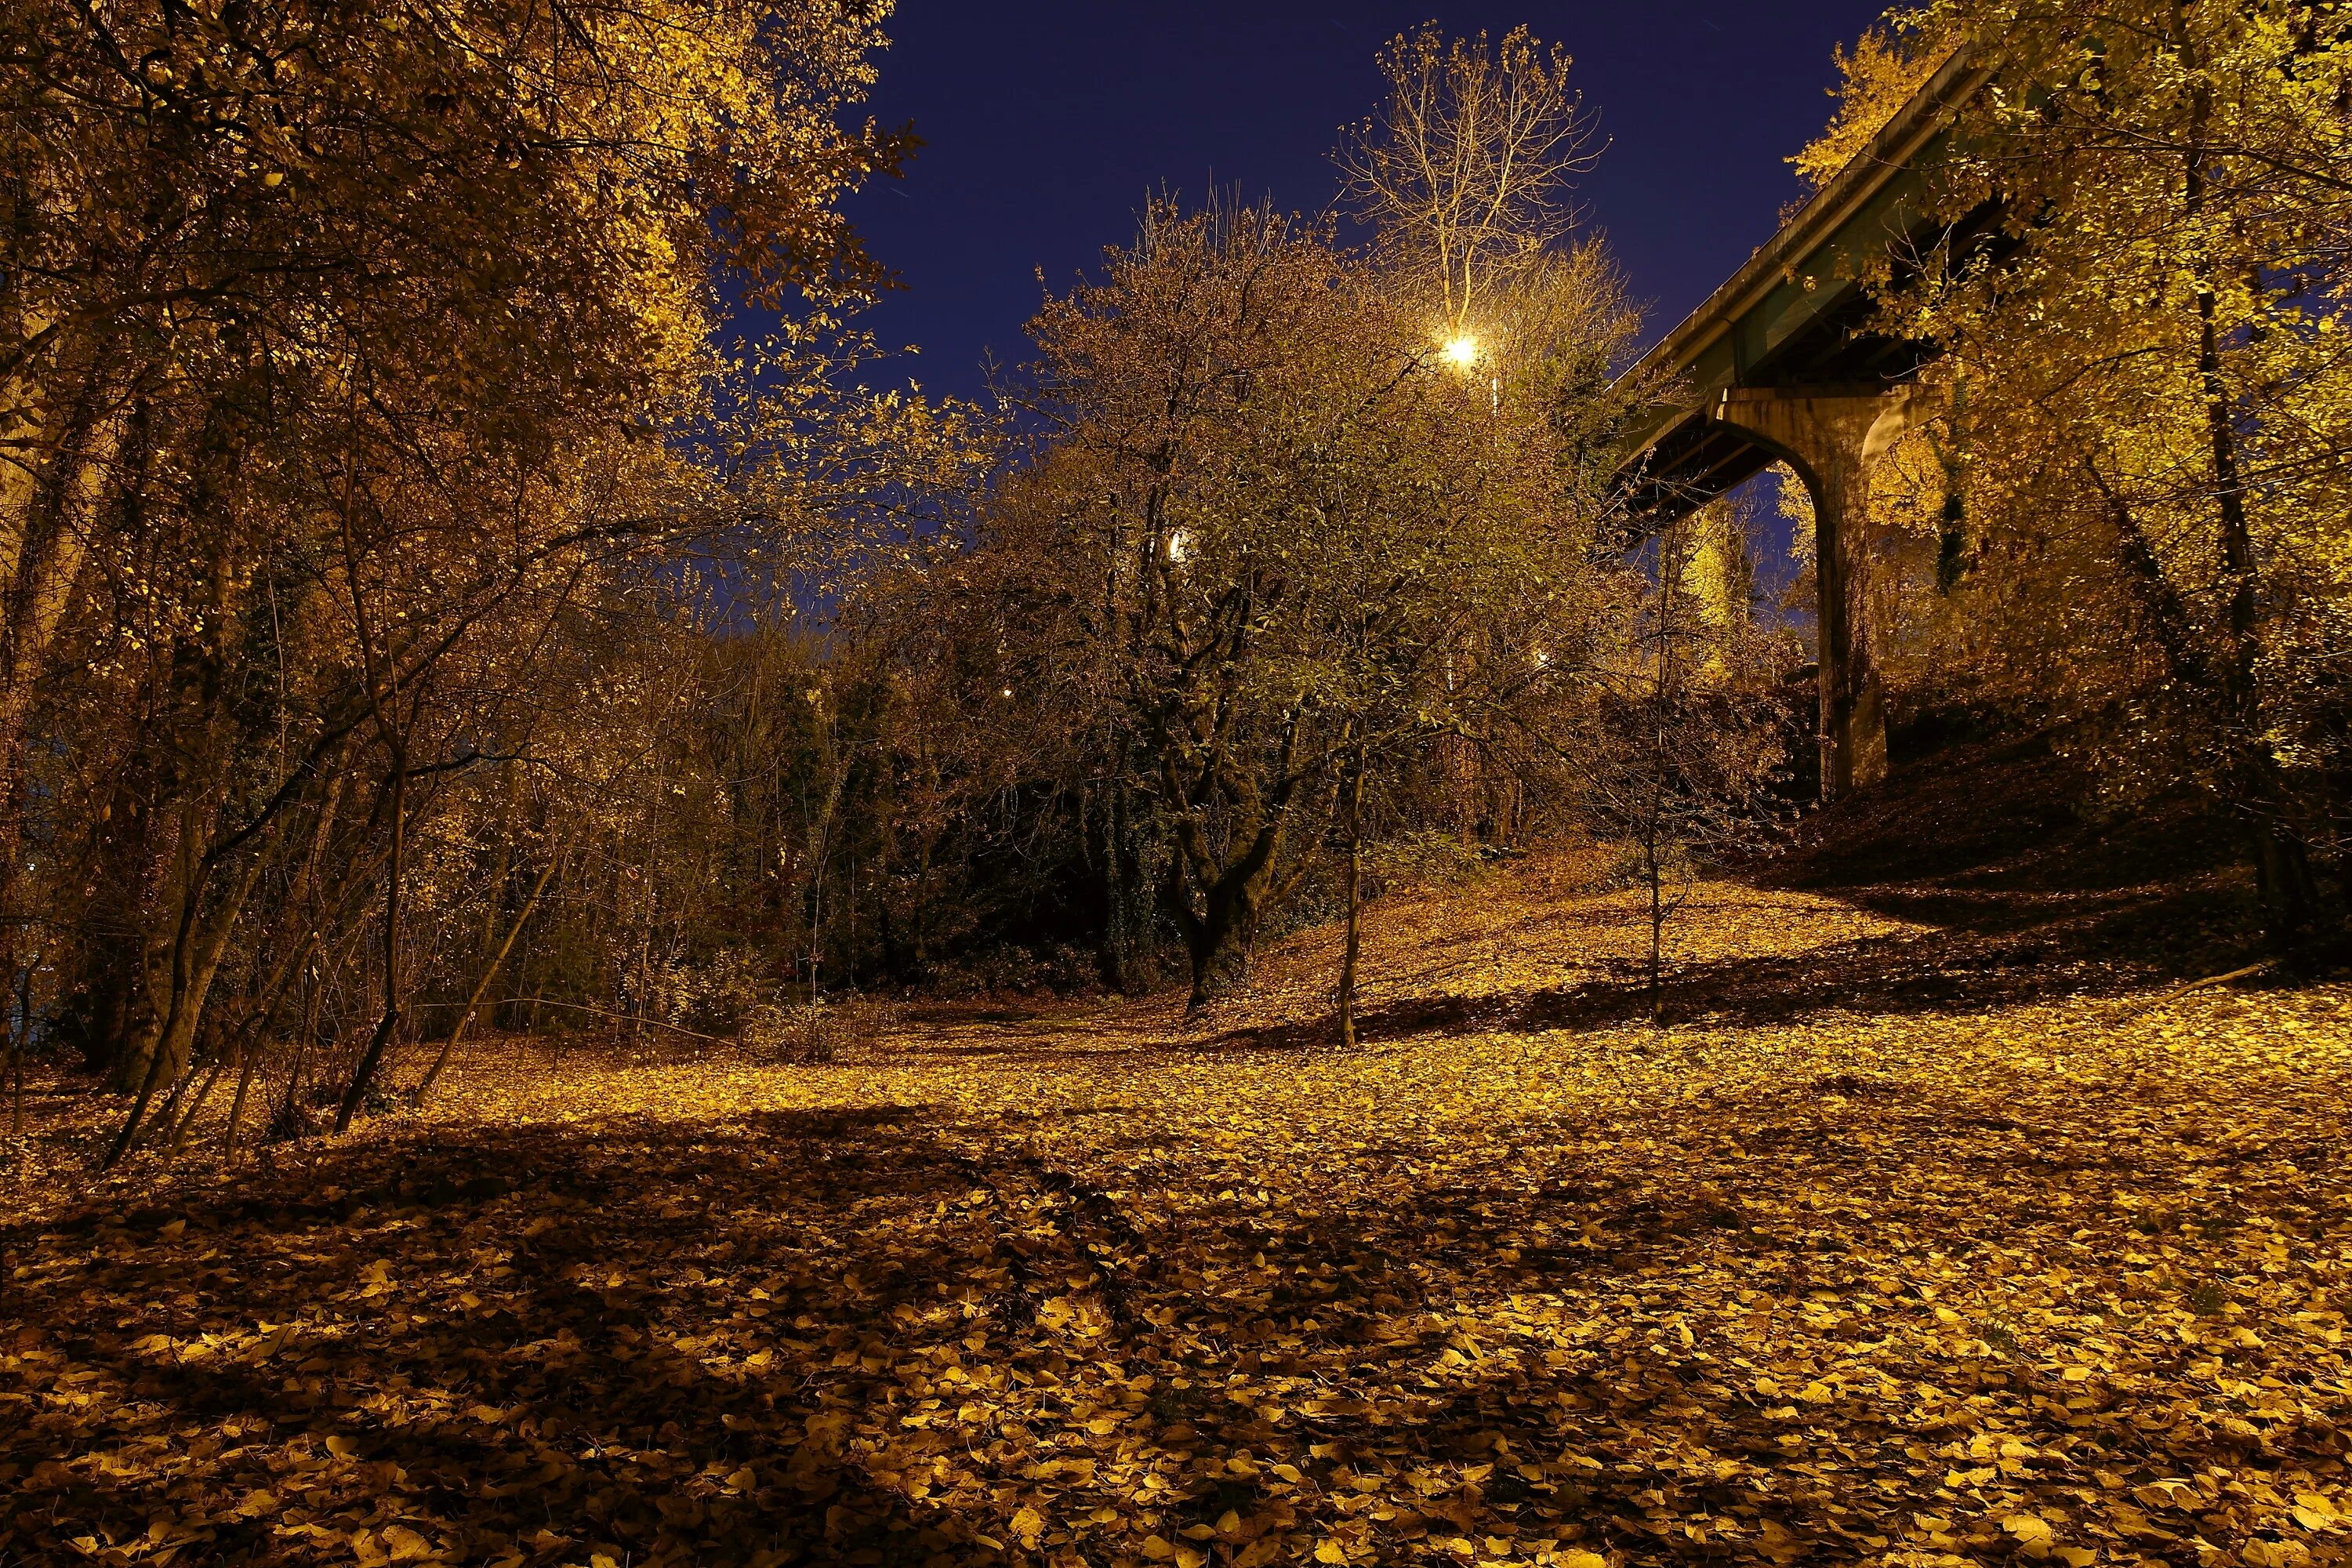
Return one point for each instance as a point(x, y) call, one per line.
point(48, 520)
point(263, 1006)
point(197, 946)
point(308, 1035)
point(168, 1118)
point(18, 1038)
point(45, 529)
point(1671, 546)
point(1657, 935)
point(482, 987)
point(2288, 889)
point(363, 1075)
point(180, 1128)
point(191, 977)
point(291, 1105)
point(247, 1052)
point(1355, 882)
point(383, 702)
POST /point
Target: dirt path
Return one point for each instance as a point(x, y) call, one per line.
point(1904, 1244)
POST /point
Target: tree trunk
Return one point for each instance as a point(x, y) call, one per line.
point(184, 1012)
point(1353, 946)
point(247, 1052)
point(18, 1038)
point(490, 973)
point(1216, 935)
point(194, 959)
point(180, 1126)
point(2282, 872)
point(1656, 879)
point(363, 1075)
point(47, 524)
point(1132, 958)
point(48, 521)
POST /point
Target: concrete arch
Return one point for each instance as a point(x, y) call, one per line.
point(1833, 439)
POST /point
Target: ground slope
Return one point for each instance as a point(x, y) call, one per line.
point(1892, 1248)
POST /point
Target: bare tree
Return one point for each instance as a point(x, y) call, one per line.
point(1467, 173)
point(1682, 736)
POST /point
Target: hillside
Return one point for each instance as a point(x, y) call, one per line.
point(1902, 1242)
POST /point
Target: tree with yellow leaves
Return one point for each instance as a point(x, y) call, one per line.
point(2157, 447)
point(345, 354)
point(1876, 77)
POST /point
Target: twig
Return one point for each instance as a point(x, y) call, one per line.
point(2200, 985)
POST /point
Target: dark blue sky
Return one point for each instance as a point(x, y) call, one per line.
point(1047, 121)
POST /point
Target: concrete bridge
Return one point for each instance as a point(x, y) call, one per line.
point(1781, 364)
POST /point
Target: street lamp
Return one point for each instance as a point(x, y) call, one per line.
point(1462, 352)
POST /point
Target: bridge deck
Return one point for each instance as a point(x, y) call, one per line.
point(1797, 314)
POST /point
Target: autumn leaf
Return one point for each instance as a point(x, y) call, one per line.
point(405, 1544)
point(2031, 1533)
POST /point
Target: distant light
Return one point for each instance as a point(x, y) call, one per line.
point(1177, 548)
point(1461, 352)
point(1542, 659)
point(1008, 691)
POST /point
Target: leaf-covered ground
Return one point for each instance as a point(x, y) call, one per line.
point(1902, 1244)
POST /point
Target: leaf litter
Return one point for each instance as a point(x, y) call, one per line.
point(2055, 1280)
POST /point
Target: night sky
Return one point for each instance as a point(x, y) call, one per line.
point(1047, 121)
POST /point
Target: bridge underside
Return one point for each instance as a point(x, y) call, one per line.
point(1783, 364)
point(1700, 458)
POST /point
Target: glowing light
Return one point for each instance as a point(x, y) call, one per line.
point(1542, 659)
point(1008, 691)
point(1177, 547)
point(1461, 352)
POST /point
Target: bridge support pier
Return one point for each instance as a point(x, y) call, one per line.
point(1833, 439)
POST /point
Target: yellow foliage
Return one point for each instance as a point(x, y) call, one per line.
point(1875, 77)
